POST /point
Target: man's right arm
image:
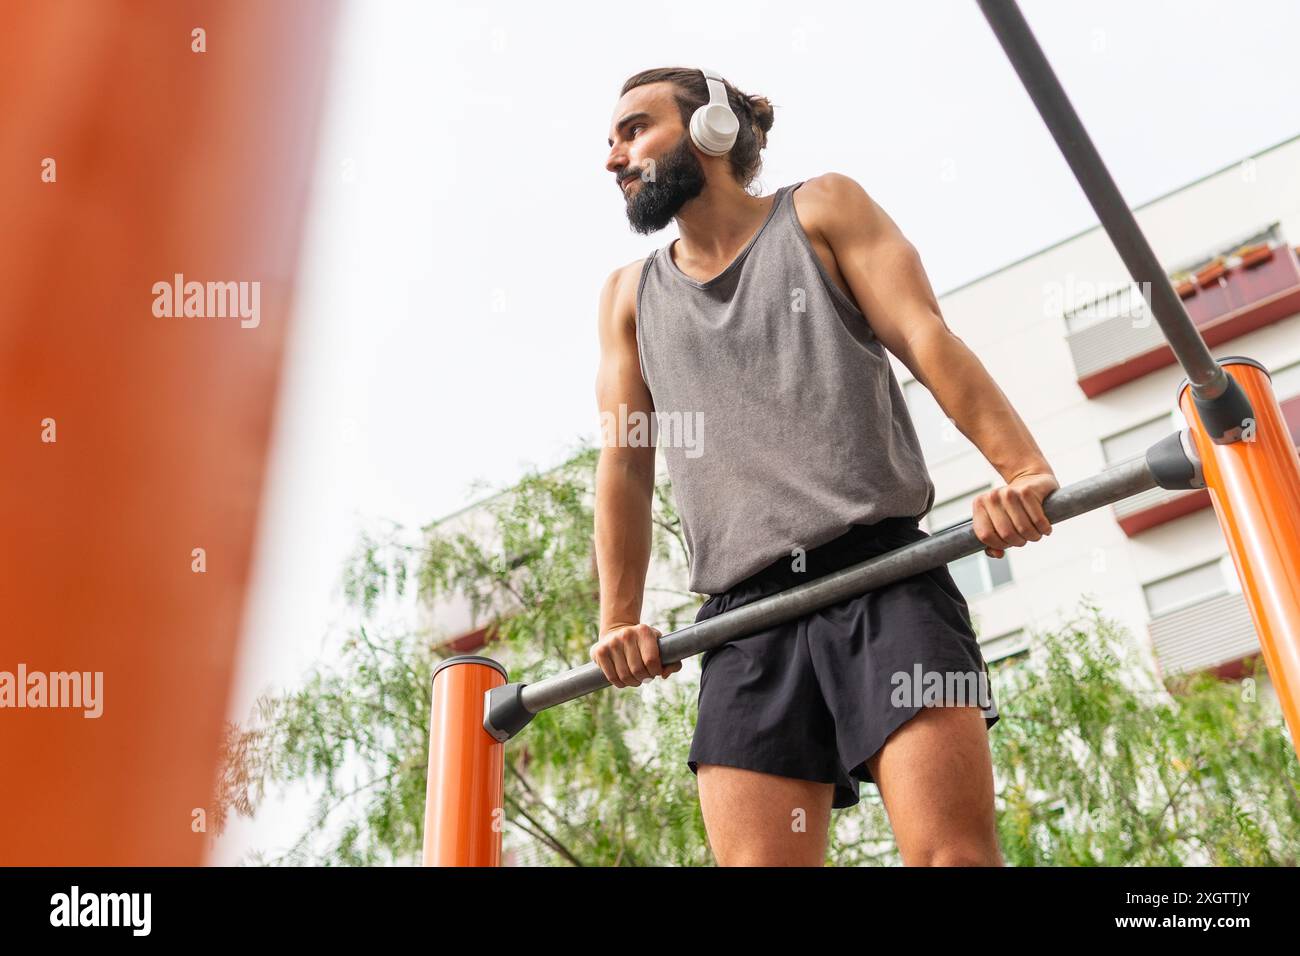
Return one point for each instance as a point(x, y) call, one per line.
point(627, 650)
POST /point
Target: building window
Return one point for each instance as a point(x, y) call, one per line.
point(1013, 645)
point(1196, 584)
point(1286, 381)
point(976, 573)
point(1136, 440)
point(1286, 388)
point(940, 437)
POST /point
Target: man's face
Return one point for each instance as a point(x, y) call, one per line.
point(652, 157)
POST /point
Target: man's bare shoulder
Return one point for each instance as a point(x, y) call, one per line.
point(831, 201)
point(620, 290)
point(830, 188)
point(630, 274)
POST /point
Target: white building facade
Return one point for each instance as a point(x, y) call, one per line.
point(1071, 342)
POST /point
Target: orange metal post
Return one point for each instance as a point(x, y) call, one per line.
point(463, 813)
point(1255, 487)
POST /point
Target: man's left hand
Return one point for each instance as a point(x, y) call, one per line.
point(1012, 515)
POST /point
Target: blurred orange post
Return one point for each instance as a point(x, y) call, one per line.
point(463, 813)
point(146, 148)
point(1255, 487)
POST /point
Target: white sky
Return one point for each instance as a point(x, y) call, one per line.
point(463, 221)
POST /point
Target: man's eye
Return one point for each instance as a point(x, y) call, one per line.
point(637, 127)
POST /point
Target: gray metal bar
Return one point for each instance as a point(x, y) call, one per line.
point(1208, 380)
point(1115, 484)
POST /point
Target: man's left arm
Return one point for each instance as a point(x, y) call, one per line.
point(884, 271)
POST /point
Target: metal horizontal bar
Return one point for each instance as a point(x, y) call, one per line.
point(1114, 484)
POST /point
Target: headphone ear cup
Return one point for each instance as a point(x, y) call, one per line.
point(714, 128)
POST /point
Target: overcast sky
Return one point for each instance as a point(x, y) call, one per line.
point(463, 221)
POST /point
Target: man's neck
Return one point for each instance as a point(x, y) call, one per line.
point(716, 223)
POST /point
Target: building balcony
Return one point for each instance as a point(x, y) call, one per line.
point(1157, 506)
point(1116, 339)
point(466, 643)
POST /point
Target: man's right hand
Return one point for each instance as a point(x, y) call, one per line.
point(629, 654)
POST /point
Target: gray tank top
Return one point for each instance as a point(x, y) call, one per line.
point(781, 420)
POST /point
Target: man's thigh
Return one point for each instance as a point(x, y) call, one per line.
point(935, 775)
point(760, 819)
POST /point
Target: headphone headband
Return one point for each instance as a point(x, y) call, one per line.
point(717, 87)
point(714, 126)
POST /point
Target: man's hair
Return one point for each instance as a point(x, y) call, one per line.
point(691, 92)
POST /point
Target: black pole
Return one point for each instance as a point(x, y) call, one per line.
point(1222, 405)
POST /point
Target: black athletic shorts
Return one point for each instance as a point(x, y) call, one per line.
point(815, 697)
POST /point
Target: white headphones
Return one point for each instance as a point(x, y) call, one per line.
point(714, 126)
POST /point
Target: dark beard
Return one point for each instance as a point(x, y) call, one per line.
point(679, 178)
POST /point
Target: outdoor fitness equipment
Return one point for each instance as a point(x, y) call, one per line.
point(1236, 444)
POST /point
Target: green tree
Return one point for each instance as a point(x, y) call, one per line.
point(1095, 763)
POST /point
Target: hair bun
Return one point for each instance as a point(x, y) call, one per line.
point(761, 107)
